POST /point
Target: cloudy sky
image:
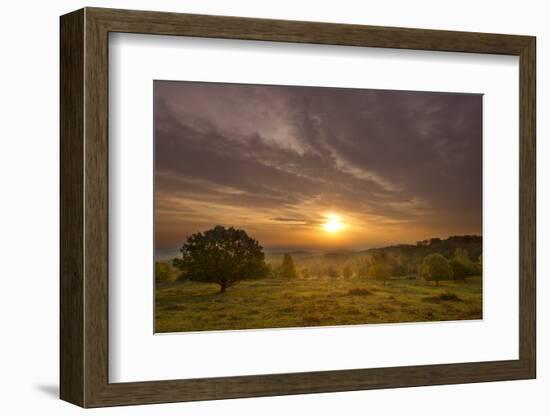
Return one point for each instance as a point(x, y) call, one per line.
point(278, 161)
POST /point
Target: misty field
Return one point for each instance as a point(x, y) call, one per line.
point(279, 303)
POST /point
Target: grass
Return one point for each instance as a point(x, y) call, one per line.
point(272, 303)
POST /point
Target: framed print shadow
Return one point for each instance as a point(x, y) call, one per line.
point(309, 210)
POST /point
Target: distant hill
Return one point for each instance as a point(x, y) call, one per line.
point(409, 255)
point(277, 257)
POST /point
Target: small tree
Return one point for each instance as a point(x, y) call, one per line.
point(379, 271)
point(398, 270)
point(288, 270)
point(347, 273)
point(462, 266)
point(224, 256)
point(380, 266)
point(435, 267)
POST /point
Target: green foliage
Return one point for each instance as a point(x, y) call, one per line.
point(224, 256)
point(380, 266)
point(462, 266)
point(379, 271)
point(460, 271)
point(164, 272)
point(288, 270)
point(435, 267)
point(398, 269)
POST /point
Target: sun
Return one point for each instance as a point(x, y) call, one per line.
point(333, 223)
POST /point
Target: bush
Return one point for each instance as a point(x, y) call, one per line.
point(164, 272)
point(435, 267)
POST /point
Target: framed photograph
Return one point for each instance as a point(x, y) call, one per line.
point(255, 207)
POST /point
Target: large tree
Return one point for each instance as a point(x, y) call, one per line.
point(224, 256)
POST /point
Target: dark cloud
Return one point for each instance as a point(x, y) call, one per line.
point(264, 157)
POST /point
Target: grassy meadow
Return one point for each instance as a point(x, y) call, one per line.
point(282, 303)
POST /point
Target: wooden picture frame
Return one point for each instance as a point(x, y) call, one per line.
point(84, 207)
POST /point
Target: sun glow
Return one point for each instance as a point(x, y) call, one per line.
point(333, 223)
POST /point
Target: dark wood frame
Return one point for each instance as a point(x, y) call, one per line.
point(84, 207)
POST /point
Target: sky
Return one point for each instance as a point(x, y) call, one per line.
point(316, 168)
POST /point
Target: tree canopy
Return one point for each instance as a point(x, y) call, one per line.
point(435, 267)
point(224, 256)
point(379, 271)
point(288, 270)
point(462, 265)
point(380, 266)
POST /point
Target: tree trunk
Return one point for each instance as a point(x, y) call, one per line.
point(223, 286)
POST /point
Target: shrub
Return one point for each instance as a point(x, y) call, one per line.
point(164, 272)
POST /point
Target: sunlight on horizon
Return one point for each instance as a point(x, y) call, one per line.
point(333, 223)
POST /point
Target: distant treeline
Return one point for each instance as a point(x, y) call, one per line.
point(435, 259)
point(462, 253)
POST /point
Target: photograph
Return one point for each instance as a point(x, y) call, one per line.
point(279, 206)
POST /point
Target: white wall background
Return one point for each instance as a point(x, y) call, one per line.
point(29, 160)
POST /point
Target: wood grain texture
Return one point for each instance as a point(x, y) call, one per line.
point(71, 100)
point(527, 208)
point(84, 207)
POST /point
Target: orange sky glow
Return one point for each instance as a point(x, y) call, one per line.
point(315, 168)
